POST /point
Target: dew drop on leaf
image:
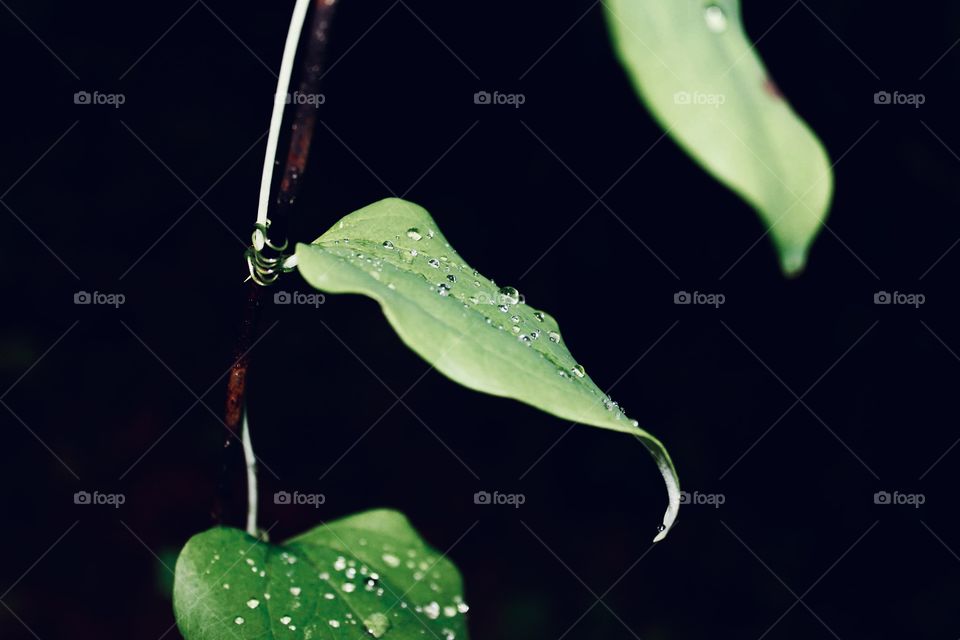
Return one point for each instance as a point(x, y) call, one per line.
point(377, 624)
point(414, 234)
point(715, 18)
point(387, 244)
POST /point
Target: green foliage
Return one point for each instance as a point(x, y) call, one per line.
point(481, 335)
point(692, 64)
point(367, 575)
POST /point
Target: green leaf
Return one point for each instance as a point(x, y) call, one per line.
point(369, 574)
point(691, 62)
point(478, 334)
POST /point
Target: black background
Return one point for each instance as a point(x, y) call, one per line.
point(112, 207)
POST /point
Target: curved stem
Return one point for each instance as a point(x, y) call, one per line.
point(251, 463)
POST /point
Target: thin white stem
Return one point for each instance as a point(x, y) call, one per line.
point(251, 461)
point(279, 102)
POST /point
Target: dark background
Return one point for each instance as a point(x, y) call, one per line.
point(112, 207)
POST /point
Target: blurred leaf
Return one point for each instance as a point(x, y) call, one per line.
point(692, 64)
point(483, 336)
point(366, 575)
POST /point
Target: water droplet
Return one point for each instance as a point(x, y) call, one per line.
point(443, 289)
point(449, 611)
point(476, 283)
point(295, 591)
point(448, 634)
point(349, 587)
point(226, 586)
point(433, 262)
point(335, 623)
point(661, 528)
point(578, 370)
point(377, 624)
point(715, 18)
point(509, 295)
point(462, 607)
point(253, 603)
point(538, 316)
point(414, 252)
point(391, 560)
point(414, 234)
point(285, 620)
point(340, 564)
point(238, 620)
point(432, 610)
point(387, 244)
point(525, 339)
point(554, 336)
point(504, 308)
point(452, 278)
point(515, 319)
point(535, 334)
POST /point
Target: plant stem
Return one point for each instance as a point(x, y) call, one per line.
point(251, 461)
point(279, 213)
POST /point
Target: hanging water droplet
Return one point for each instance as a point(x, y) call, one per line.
point(387, 244)
point(554, 336)
point(414, 234)
point(433, 262)
point(509, 295)
point(377, 624)
point(715, 18)
point(578, 370)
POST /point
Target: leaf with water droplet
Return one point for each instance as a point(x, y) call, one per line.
point(453, 331)
point(693, 65)
point(302, 587)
